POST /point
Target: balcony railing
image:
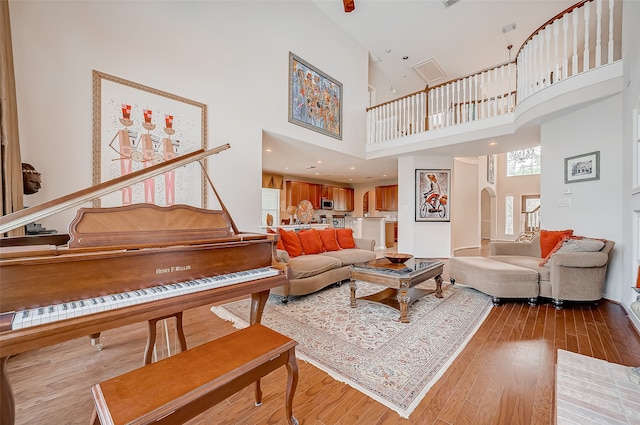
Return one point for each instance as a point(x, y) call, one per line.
point(585, 36)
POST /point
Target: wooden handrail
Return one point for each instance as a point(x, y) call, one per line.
point(395, 100)
point(471, 75)
point(550, 21)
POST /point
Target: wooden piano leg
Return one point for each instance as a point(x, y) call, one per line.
point(258, 301)
point(7, 402)
point(95, 341)
point(151, 337)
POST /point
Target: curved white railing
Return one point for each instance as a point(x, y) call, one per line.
point(583, 37)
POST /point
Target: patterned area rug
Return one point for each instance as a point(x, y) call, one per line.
point(593, 391)
point(367, 347)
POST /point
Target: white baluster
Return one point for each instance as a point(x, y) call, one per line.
point(432, 108)
point(598, 33)
point(448, 104)
point(574, 58)
point(610, 48)
point(555, 26)
point(484, 91)
point(565, 52)
point(385, 122)
point(587, 13)
point(475, 95)
point(547, 75)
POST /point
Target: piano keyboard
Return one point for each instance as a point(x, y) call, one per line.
point(53, 313)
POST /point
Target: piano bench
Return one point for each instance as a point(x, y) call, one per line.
point(178, 388)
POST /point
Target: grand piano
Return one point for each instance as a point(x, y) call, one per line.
point(123, 265)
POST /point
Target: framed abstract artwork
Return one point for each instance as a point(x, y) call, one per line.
point(315, 99)
point(134, 127)
point(581, 168)
point(433, 189)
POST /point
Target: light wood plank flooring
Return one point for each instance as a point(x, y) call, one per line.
point(505, 375)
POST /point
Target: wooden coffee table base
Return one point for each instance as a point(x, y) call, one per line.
point(400, 292)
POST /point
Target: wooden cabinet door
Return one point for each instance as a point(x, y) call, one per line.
point(327, 192)
point(394, 198)
point(349, 199)
point(387, 198)
point(380, 198)
point(315, 195)
point(293, 193)
point(304, 191)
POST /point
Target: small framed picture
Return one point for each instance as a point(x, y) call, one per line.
point(581, 168)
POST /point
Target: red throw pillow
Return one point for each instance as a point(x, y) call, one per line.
point(345, 238)
point(550, 238)
point(311, 242)
point(329, 239)
point(291, 242)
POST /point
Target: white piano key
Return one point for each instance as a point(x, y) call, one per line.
point(78, 308)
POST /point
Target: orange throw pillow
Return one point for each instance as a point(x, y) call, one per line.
point(345, 238)
point(311, 242)
point(550, 238)
point(329, 239)
point(291, 242)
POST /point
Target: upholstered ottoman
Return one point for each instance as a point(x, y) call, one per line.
point(495, 278)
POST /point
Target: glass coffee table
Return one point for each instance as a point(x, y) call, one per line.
point(399, 280)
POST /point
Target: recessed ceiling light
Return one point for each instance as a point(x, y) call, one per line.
point(493, 144)
point(353, 168)
point(319, 162)
point(377, 59)
point(387, 50)
point(268, 150)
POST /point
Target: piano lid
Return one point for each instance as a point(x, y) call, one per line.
point(46, 209)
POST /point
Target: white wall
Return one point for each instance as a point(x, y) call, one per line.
point(465, 217)
point(231, 56)
point(630, 164)
point(422, 239)
point(595, 205)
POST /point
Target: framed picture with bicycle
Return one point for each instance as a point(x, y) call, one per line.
point(432, 195)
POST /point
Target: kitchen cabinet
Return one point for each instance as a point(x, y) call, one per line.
point(387, 198)
point(299, 191)
point(391, 230)
point(343, 199)
point(327, 192)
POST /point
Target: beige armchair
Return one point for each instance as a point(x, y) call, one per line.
point(567, 276)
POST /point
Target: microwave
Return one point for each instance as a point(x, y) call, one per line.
point(327, 204)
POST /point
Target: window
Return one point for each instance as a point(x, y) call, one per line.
point(270, 205)
point(524, 162)
point(508, 215)
point(530, 202)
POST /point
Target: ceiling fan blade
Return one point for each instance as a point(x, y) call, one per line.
point(349, 5)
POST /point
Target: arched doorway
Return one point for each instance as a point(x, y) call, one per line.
point(487, 214)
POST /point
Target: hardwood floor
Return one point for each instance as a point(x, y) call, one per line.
point(505, 375)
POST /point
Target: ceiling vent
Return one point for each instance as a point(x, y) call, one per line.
point(430, 70)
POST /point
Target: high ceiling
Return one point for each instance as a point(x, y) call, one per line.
point(457, 40)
